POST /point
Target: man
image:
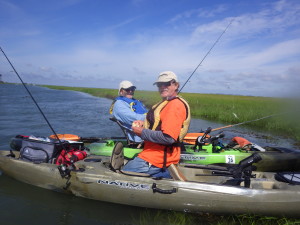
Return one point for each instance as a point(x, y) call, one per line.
point(127, 109)
point(163, 130)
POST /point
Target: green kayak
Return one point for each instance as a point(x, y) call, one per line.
point(203, 149)
point(213, 190)
point(274, 158)
point(202, 153)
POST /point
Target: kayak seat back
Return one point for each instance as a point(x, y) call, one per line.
point(126, 132)
point(117, 157)
point(176, 173)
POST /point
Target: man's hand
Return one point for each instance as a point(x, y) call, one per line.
point(137, 123)
point(137, 127)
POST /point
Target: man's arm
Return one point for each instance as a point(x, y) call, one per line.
point(157, 137)
point(123, 112)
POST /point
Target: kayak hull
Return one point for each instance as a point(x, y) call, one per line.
point(97, 181)
point(42, 175)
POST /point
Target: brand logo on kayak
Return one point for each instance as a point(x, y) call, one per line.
point(191, 157)
point(127, 185)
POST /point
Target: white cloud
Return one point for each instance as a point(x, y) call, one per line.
point(275, 53)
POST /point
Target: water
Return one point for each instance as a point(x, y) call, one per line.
point(87, 116)
point(67, 111)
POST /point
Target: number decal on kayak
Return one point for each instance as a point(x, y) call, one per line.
point(120, 184)
point(230, 159)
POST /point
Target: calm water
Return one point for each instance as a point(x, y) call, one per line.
point(84, 115)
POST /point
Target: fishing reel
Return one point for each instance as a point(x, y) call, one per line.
point(201, 140)
point(64, 171)
point(205, 139)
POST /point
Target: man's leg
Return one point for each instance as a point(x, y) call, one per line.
point(137, 165)
point(141, 166)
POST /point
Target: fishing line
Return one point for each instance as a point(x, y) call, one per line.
point(206, 55)
point(214, 44)
point(249, 121)
point(35, 102)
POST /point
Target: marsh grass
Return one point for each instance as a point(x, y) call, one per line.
point(254, 220)
point(229, 109)
point(159, 217)
point(163, 217)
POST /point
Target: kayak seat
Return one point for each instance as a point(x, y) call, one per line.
point(288, 177)
point(176, 173)
point(126, 131)
point(117, 161)
point(117, 157)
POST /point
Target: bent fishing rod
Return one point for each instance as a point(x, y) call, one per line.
point(35, 102)
point(214, 44)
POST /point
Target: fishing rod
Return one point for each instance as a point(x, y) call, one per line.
point(214, 44)
point(205, 55)
point(35, 102)
point(249, 121)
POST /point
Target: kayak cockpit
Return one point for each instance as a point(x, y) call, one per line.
point(239, 176)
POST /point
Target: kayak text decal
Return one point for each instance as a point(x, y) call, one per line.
point(128, 185)
point(191, 157)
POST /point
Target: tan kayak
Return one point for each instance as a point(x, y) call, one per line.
point(191, 189)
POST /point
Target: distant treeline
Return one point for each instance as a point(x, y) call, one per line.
point(228, 109)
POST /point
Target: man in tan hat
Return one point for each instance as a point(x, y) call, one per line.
point(127, 109)
point(163, 130)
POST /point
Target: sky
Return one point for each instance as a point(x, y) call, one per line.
point(90, 43)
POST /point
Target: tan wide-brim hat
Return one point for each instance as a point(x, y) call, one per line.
point(166, 76)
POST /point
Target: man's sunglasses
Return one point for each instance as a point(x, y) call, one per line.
point(129, 89)
point(166, 84)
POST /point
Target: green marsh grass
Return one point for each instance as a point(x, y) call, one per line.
point(163, 217)
point(228, 109)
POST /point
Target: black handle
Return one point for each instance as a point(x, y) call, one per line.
point(156, 189)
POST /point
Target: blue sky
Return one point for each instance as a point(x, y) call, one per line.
point(100, 43)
